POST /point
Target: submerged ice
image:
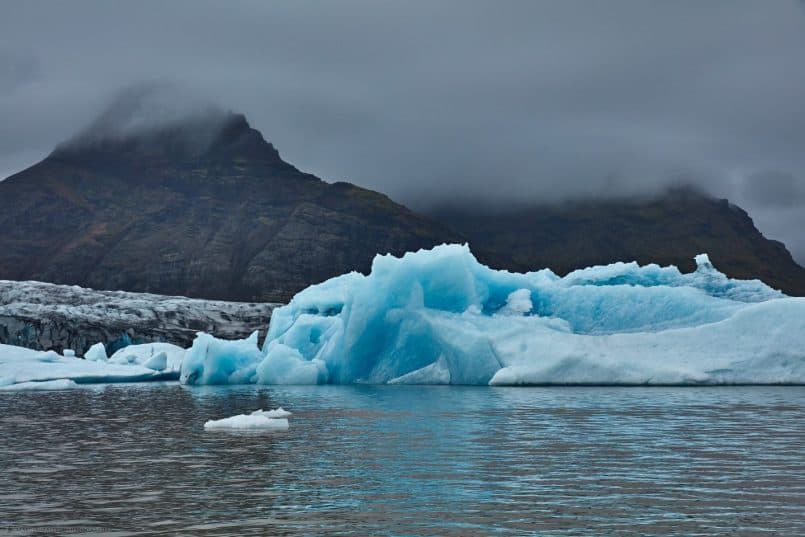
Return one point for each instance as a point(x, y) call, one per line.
point(441, 317)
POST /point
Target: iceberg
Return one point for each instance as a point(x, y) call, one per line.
point(248, 421)
point(30, 369)
point(440, 317)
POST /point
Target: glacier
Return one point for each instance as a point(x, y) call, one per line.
point(441, 317)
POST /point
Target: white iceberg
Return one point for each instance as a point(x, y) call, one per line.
point(248, 421)
point(20, 365)
point(440, 317)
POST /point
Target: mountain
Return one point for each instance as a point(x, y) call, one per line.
point(202, 207)
point(668, 229)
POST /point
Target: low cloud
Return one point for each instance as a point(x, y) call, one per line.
point(428, 101)
point(774, 189)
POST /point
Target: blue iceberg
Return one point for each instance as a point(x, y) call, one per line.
point(440, 317)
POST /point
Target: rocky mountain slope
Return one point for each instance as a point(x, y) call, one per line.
point(203, 208)
point(45, 316)
point(669, 229)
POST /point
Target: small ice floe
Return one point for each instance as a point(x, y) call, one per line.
point(276, 413)
point(47, 385)
point(248, 421)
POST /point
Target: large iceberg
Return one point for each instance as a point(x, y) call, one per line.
point(440, 317)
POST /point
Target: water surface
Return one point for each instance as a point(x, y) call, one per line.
point(396, 460)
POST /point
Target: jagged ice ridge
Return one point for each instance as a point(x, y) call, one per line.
point(440, 317)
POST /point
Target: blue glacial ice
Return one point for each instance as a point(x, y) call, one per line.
point(440, 317)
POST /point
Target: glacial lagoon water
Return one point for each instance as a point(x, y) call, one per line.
point(404, 460)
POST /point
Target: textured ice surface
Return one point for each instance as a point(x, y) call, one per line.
point(47, 385)
point(248, 421)
point(276, 413)
point(158, 362)
point(19, 365)
point(440, 317)
point(219, 361)
point(96, 353)
point(44, 315)
point(156, 356)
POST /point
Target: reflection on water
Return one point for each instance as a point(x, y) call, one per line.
point(135, 460)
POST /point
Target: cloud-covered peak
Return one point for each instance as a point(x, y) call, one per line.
point(160, 120)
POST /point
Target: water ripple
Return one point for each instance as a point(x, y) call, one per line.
point(134, 460)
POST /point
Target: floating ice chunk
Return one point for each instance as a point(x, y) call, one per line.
point(96, 353)
point(69, 353)
point(48, 385)
point(248, 421)
point(276, 413)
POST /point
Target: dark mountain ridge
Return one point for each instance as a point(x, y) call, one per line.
point(668, 229)
point(157, 211)
point(203, 206)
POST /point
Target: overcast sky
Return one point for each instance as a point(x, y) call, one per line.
point(431, 100)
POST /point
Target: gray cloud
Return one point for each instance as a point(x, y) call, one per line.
point(774, 189)
point(423, 100)
point(16, 70)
